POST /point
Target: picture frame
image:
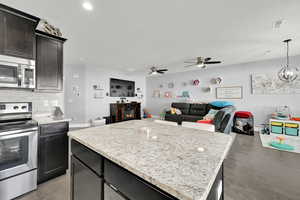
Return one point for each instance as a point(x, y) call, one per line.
point(233, 92)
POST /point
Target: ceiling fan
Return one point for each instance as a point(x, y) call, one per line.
point(201, 62)
point(155, 70)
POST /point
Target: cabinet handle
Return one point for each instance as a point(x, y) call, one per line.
point(113, 187)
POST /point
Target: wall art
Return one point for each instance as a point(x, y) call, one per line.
point(235, 92)
point(271, 84)
point(170, 85)
point(168, 95)
point(217, 80)
point(207, 89)
point(99, 94)
point(156, 94)
point(185, 94)
point(195, 82)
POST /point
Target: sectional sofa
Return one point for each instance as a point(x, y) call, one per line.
point(192, 112)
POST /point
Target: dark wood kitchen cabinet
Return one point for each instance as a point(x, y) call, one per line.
point(17, 33)
point(49, 63)
point(52, 150)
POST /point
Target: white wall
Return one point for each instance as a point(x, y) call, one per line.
point(233, 75)
point(85, 107)
point(75, 92)
point(100, 107)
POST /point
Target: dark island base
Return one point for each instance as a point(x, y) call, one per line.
point(97, 178)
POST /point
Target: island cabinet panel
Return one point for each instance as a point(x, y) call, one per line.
point(96, 178)
point(112, 194)
point(133, 187)
point(86, 185)
point(217, 190)
point(93, 160)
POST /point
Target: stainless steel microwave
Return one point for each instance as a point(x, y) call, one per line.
point(17, 72)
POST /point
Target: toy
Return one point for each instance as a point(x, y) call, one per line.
point(265, 129)
point(282, 113)
point(281, 139)
point(280, 145)
point(146, 113)
point(295, 118)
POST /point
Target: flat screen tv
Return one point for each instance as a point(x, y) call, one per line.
point(121, 88)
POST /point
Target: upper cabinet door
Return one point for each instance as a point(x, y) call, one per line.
point(49, 64)
point(17, 35)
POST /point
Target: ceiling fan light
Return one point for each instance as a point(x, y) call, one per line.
point(200, 65)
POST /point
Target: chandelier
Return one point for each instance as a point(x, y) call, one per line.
point(288, 74)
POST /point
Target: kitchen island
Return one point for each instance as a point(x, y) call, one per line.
point(144, 160)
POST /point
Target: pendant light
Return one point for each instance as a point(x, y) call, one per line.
point(288, 74)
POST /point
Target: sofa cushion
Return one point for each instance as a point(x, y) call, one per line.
point(183, 107)
point(173, 118)
point(198, 109)
point(191, 118)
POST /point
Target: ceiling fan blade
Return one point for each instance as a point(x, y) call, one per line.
point(190, 65)
point(207, 59)
point(162, 70)
point(212, 62)
point(189, 62)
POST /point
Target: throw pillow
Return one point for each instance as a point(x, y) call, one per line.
point(175, 111)
point(178, 112)
point(210, 115)
point(221, 104)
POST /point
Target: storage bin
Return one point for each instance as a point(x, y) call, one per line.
point(277, 129)
point(292, 131)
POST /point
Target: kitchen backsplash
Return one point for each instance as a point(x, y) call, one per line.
point(42, 102)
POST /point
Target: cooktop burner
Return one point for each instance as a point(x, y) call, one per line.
point(16, 117)
point(18, 125)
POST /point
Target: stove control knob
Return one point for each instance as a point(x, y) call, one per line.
point(2, 107)
point(24, 107)
point(16, 107)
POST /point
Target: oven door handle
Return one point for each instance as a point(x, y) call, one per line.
point(17, 135)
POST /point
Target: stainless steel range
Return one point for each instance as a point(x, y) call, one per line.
point(18, 150)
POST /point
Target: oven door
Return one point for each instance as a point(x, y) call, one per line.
point(18, 153)
point(9, 74)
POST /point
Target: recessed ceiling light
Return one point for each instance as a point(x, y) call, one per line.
point(87, 5)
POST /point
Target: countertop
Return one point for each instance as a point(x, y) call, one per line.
point(48, 119)
point(169, 157)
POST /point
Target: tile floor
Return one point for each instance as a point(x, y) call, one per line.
point(251, 173)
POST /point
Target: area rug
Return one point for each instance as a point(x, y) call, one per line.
point(291, 140)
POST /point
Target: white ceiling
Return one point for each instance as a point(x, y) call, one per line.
point(133, 34)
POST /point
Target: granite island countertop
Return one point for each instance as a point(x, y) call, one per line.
point(169, 157)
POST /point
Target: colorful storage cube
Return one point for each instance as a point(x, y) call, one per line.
point(291, 129)
point(277, 129)
point(287, 127)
